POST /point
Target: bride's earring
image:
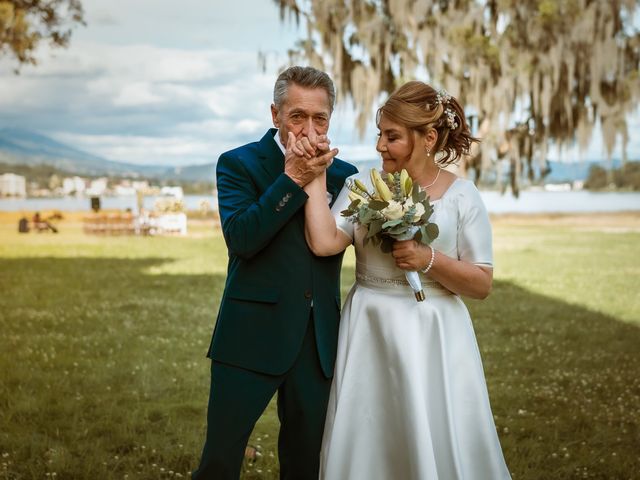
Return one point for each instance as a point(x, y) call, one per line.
point(428, 151)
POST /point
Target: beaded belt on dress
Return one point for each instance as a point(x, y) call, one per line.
point(371, 280)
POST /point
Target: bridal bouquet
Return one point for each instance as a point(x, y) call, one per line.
point(396, 209)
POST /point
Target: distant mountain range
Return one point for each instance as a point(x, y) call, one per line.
point(24, 147)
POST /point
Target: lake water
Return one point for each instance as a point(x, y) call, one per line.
point(529, 202)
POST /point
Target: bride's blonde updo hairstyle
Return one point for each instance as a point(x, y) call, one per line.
point(420, 107)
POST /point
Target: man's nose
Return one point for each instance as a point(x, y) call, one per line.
point(310, 131)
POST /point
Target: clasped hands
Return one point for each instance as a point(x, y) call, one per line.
point(307, 157)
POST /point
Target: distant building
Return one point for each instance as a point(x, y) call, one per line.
point(74, 185)
point(12, 185)
point(98, 187)
point(124, 191)
point(129, 188)
point(140, 185)
point(172, 192)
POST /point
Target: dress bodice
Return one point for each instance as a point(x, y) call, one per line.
point(463, 223)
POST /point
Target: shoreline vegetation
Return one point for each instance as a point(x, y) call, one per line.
point(104, 375)
point(43, 177)
point(623, 179)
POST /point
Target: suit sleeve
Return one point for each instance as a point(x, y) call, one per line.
point(249, 220)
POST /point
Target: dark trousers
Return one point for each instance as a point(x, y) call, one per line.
point(237, 399)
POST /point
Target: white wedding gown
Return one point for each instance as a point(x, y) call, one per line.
point(409, 399)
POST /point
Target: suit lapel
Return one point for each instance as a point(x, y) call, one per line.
point(271, 157)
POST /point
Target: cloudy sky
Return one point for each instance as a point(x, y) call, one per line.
point(157, 82)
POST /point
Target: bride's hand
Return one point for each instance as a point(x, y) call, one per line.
point(410, 255)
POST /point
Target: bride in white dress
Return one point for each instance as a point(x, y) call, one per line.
point(409, 398)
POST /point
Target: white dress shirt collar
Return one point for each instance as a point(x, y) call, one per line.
point(276, 137)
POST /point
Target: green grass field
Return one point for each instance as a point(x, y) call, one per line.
point(103, 372)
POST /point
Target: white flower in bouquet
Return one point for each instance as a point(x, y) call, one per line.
point(394, 211)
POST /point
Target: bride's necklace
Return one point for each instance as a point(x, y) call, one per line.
point(434, 180)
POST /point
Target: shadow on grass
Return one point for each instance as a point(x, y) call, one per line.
point(103, 370)
point(103, 373)
point(564, 383)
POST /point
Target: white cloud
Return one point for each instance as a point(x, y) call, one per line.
point(144, 150)
point(134, 98)
point(136, 94)
point(140, 84)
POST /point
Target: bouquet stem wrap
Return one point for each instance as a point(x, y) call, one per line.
point(412, 277)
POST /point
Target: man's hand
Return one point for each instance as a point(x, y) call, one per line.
point(307, 157)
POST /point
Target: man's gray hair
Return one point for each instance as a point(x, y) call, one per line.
point(307, 77)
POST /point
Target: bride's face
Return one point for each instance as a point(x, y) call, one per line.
point(396, 146)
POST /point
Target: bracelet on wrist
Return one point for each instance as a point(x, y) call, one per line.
point(433, 257)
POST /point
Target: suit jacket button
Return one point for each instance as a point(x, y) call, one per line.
point(307, 294)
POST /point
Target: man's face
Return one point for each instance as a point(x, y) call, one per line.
point(305, 113)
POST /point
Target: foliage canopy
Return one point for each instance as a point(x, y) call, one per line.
point(530, 72)
point(25, 23)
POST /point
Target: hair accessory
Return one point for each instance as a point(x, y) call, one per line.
point(442, 97)
point(451, 118)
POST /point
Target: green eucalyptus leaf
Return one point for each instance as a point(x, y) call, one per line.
point(432, 231)
point(399, 230)
point(378, 205)
point(392, 223)
point(366, 216)
point(354, 204)
point(374, 227)
point(386, 245)
point(424, 236)
point(415, 193)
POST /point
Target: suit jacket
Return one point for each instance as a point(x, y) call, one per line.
point(272, 276)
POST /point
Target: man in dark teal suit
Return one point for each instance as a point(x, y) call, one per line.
point(277, 325)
